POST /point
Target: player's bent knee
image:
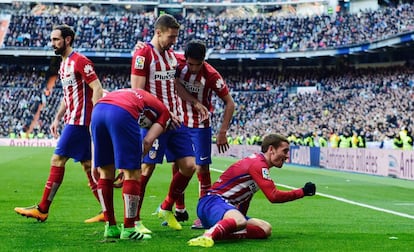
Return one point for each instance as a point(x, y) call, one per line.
point(267, 231)
point(187, 166)
point(241, 222)
point(58, 161)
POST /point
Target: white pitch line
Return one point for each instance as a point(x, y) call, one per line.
point(348, 201)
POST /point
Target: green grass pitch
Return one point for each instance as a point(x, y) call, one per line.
point(329, 221)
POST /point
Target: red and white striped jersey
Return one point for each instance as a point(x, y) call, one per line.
point(242, 179)
point(76, 72)
point(201, 86)
point(159, 70)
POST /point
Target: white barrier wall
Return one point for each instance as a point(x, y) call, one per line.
point(236, 151)
point(381, 162)
point(28, 142)
point(394, 163)
point(367, 161)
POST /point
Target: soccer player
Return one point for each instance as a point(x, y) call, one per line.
point(81, 90)
point(153, 69)
point(117, 145)
point(224, 208)
point(196, 81)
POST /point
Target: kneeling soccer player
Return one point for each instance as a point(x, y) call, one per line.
point(223, 209)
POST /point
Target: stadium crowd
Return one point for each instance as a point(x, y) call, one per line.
point(374, 103)
point(114, 30)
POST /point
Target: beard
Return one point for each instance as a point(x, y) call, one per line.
point(165, 47)
point(60, 51)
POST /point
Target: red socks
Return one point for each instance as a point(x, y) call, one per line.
point(131, 195)
point(143, 184)
point(52, 185)
point(205, 182)
point(92, 185)
point(177, 187)
point(222, 229)
point(250, 232)
point(179, 201)
point(255, 232)
point(106, 193)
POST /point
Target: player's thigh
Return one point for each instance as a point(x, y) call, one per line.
point(211, 209)
point(74, 142)
point(126, 140)
point(201, 138)
point(179, 144)
point(102, 143)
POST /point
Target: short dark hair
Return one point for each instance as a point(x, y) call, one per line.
point(166, 21)
point(66, 31)
point(195, 49)
point(273, 140)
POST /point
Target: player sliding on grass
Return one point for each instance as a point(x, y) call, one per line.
point(224, 208)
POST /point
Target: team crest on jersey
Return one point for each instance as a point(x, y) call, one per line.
point(139, 62)
point(152, 154)
point(265, 173)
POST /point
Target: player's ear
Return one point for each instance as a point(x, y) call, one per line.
point(270, 149)
point(158, 32)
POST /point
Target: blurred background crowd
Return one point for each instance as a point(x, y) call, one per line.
point(345, 106)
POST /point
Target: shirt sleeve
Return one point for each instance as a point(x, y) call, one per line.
point(86, 69)
point(217, 82)
point(262, 177)
point(140, 62)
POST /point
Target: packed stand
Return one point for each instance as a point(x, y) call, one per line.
point(373, 103)
point(115, 30)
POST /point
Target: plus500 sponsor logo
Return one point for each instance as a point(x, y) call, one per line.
point(164, 75)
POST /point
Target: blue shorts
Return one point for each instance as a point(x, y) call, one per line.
point(74, 142)
point(201, 138)
point(211, 209)
point(116, 137)
point(174, 144)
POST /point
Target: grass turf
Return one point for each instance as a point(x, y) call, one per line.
point(311, 224)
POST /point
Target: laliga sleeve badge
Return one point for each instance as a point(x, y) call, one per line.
point(266, 173)
point(152, 154)
point(139, 62)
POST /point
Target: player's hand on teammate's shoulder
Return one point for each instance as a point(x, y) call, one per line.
point(140, 45)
